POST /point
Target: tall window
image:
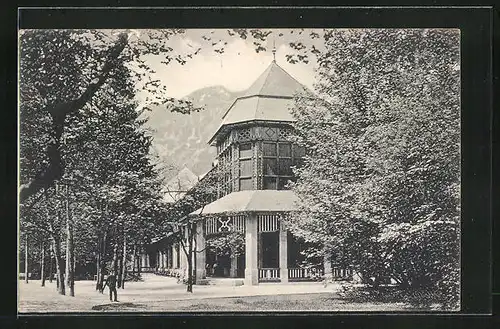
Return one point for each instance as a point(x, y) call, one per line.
point(277, 163)
point(225, 167)
point(246, 167)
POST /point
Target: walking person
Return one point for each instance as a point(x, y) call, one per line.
point(111, 283)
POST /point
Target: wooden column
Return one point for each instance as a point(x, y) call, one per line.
point(251, 238)
point(177, 251)
point(234, 266)
point(144, 260)
point(255, 166)
point(235, 166)
point(174, 255)
point(327, 269)
point(283, 254)
point(170, 257)
point(183, 257)
point(260, 251)
point(200, 257)
point(327, 266)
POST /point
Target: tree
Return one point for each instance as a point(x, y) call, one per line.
point(118, 187)
point(73, 84)
point(106, 156)
point(62, 70)
point(230, 244)
point(70, 247)
point(186, 226)
point(382, 173)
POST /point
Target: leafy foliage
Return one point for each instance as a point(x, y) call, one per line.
point(380, 183)
point(114, 190)
point(229, 244)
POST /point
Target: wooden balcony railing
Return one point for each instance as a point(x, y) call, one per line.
point(341, 273)
point(269, 274)
point(305, 274)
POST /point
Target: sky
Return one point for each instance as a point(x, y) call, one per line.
point(236, 69)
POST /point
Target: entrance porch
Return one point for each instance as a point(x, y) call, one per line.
point(260, 248)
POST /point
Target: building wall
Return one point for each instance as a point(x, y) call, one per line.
point(235, 167)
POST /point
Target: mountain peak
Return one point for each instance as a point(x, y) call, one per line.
point(210, 90)
point(181, 139)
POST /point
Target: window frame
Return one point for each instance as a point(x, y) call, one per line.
point(245, 158)
point(226, 175)
point(277, 157)
point(246, 179)
point(240, 171)
point(239, 151)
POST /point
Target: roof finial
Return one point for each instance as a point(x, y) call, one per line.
point(274, 48)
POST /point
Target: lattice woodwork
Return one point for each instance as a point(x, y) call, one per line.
point(244, 134)
point(222, 146)
point(269, 133)
point(258, 158)
point(236, 168)
point(284, 133)
point(224, 224)
point(268, 223)
point(255, 173)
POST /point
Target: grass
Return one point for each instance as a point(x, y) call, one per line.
point(425, 300)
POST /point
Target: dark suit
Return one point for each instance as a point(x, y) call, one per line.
point(111, 283)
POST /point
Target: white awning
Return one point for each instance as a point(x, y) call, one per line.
point(251, 201)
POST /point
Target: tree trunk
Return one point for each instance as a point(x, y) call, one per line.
point(51, 248)
point(26, 272)
point(51, 271)
point(59, 266)
point(119, 274)
point(134, 259)
point(190, 260)
point(73, 267)
point(98, 264)
point(42, 265)
point(124, 261)
point(139, 264)
point(56, 247)
point(102, 260)
point(69, 249)
point(114, 263)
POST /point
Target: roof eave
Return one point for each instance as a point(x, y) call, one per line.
point(254, 121)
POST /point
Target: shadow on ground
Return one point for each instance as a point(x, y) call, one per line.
point(413, 299)
point(118, 306)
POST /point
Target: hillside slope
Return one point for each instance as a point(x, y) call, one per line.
point(181, 140)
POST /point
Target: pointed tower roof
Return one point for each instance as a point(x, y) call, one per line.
point(267, 99)
point(274, 81)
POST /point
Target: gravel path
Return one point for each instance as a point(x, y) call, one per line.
point(163, 294)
